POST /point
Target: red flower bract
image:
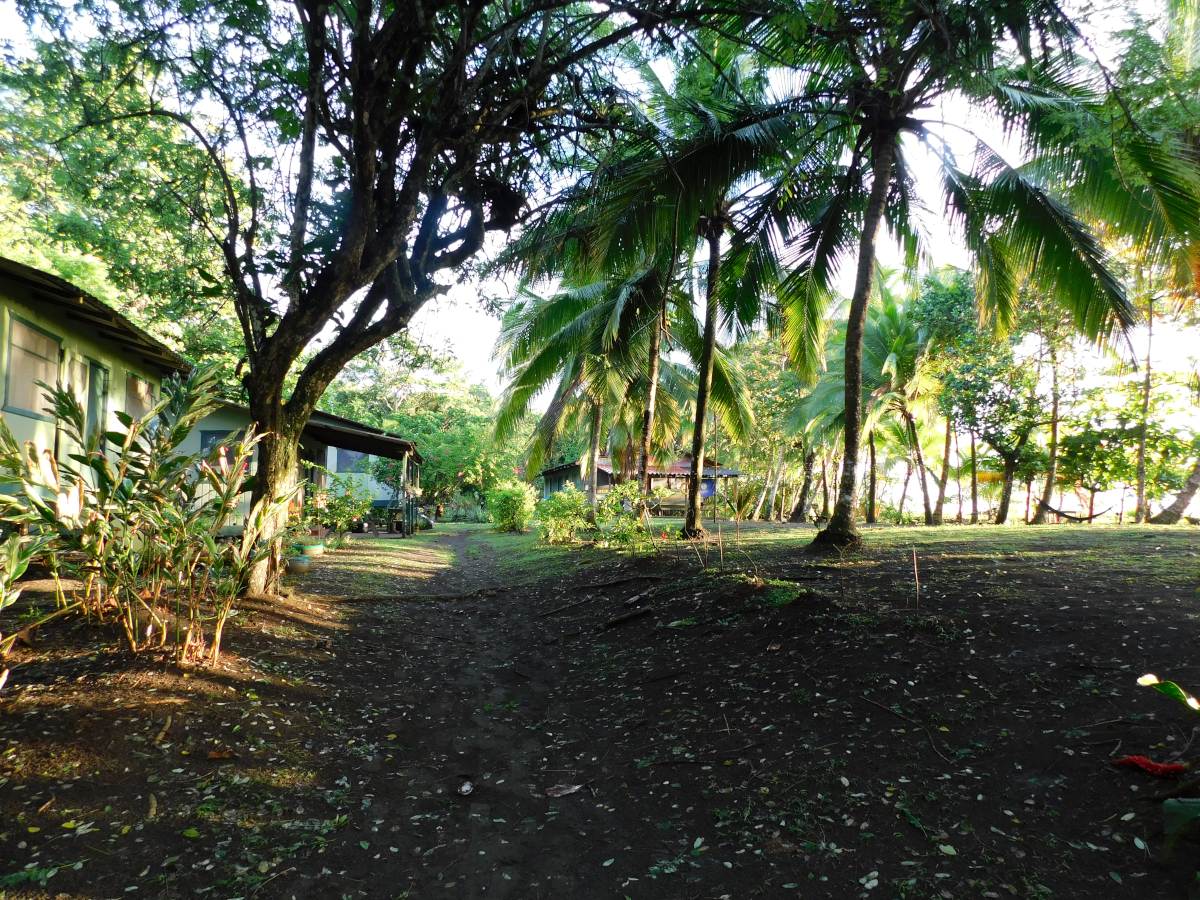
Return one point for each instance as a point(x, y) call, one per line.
point(1162, 770)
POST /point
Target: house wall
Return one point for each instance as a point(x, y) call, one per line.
point(230, 420)
point(556, 481)
point(78, 343)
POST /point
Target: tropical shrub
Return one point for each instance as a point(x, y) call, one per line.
point(338, 507)
point(622, 511)
point(511, 506)
point(1178, 813)
point(465, 508)
point(562, 515)
point(144, 520)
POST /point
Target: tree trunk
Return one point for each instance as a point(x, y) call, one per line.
point(1173, 513)
point(921, 473)
point(1091, 505)
point(1028, 496)
point(693, 524)
point(1142, 513)
point(1039, 517)
point(871, 481)
point(775, 485)
point(1010, 471)
point(274, 476)
point(762, 497)
point(904, 491)
point(800, 511)
point(593, 486)
point(841, 530)
point(941, 495)
point(958, 477)
point(652, 364)
point(824, 491)
point(974, 483)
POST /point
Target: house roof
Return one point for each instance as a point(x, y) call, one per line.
point(680, 468)
point(79, 306)
point(347, 434)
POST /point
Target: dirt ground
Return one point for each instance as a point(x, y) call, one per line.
point(464, 714)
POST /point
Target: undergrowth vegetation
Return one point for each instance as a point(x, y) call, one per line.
point(139, 523)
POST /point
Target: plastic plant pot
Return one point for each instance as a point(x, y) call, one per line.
point(299, 565)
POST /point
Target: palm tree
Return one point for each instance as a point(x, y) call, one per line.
point(872, 71)
point(896, 382)
point(681, 181)
point(565, 343)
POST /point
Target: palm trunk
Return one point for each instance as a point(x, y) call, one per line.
point(1173, 513)
point(904, 491)
point(824, 491)
point(1039, 516)
point(800, 511)
point(974, 483)
point(1142, 513)
point(775, 485)
point(871, 482)
point(941, 495)
point(841, 530)
point(693, 524)
point(762, 497)
point(921, 473)
point(958, 476)
point(593, 486)
point(652, 364)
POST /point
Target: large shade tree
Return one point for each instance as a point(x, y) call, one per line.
point(353, 157)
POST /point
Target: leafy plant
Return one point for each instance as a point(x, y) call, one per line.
point(623, 512)
point(511, 506)
point(346, 501)
point(147, 521)
point(562, 515)
point(1178, 813)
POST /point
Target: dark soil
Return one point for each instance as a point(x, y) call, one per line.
point(781, 727)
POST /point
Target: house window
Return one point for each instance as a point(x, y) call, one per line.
point(77, 378)
point(139, 396)
point(351, 460)
point(33, 356)
point(211, 439)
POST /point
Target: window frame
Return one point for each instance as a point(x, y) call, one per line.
point(130, 374)
point(13, 318)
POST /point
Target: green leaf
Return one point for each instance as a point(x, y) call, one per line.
point(1178, 812)
point(366, 845)
point(1115, 877)
point(191, 833)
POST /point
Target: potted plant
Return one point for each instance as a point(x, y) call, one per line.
point(298, 564)
point(309, 545)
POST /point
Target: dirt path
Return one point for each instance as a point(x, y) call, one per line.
point(790, 728)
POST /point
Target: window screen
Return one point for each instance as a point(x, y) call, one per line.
point(139, 396)
point(77, 378)
point(32, 357)
point(351, 461)
point(210, 439)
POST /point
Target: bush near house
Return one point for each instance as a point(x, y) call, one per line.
point(511, 506)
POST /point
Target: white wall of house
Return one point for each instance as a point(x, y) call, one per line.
point(104, 375)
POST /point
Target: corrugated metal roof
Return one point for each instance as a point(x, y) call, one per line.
point(80, 306)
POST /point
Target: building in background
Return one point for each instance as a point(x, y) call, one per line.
point(54, 332)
